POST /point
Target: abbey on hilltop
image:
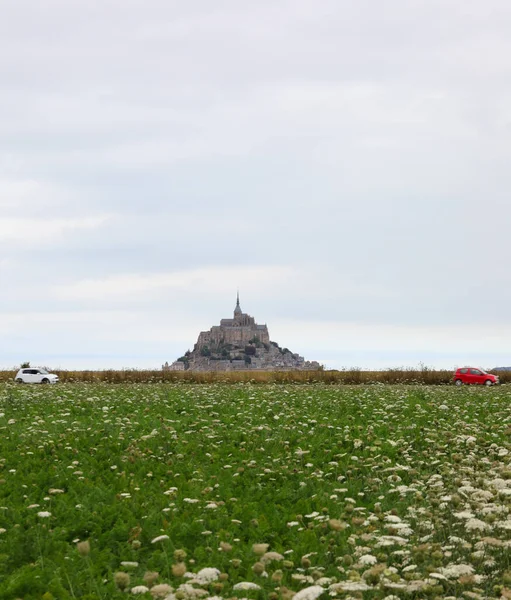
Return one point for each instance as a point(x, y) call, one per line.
point(239, 344)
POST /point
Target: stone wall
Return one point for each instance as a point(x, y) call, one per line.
point(175, 366)
point(235, 335)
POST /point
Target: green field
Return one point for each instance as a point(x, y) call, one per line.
point(254, 491)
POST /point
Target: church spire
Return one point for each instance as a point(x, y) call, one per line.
point(237, 310)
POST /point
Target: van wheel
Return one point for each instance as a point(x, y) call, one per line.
point(19, 380)
point(458, 382)
point(488, 382)
point(45, 380)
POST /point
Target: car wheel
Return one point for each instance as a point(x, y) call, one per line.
point(458, 382)
point(45, 380)
point(488, 382)
point(19, 380)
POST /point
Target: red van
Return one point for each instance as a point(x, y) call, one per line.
point(473, 375)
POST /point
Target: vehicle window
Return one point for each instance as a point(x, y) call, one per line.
point(475, 372)
point(43, 371)
point(463, 371)
point(26, 371)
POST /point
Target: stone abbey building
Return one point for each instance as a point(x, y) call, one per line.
point(239, 344)
point(238, 331)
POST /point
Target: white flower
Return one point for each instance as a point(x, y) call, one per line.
point(309, 593)
point(129, 564)
point(2, 530)
point(160, 538)
point(456, 540)
point(139, 589)
point(465, 514)
point(189, 592)
point(207, 575)
point(391, 540)
point(367, 559)
point(303, 578)
point(350, 586)
point(44, 514)
point(402, 528)
point(324, 581)
point(476, 524)
point(392, 519)
point(293, 523)
point(269, 556)
point(455, 571)
point(246, 585)
point(162, 590)
point(301, 452)
point(190, 500)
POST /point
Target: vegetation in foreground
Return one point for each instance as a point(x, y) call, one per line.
point(421, 376)
point(216, 491)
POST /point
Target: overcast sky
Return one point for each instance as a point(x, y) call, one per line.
point(345, 164)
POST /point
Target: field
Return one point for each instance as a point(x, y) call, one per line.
point(254, 491)
point(423, 375)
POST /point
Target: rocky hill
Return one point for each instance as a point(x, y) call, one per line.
point(239, 344)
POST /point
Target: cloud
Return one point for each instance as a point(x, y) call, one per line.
point(345, 164)
point(28, 194)
point(368, 346)
point(33, 232)
point(199, 281)
point(357, 337)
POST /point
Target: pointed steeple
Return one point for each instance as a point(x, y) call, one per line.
point(237, 310)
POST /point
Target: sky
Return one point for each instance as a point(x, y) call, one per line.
point(345, 165)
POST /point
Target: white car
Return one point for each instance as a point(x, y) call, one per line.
point(35, 375)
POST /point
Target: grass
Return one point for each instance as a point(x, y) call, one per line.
point(400, 491)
